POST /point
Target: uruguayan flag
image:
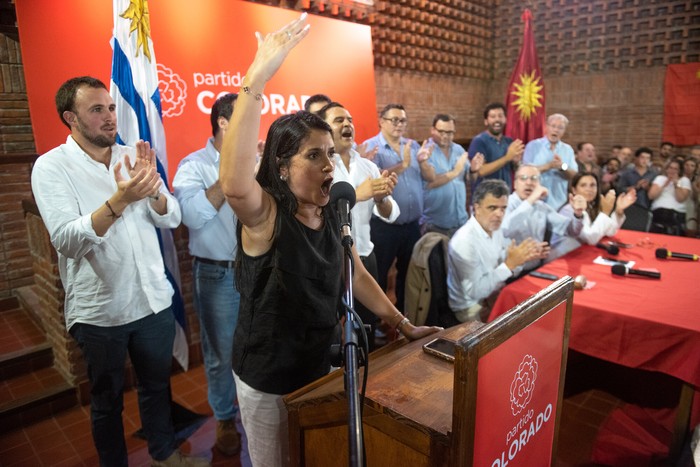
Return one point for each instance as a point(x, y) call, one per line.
point(134, 88)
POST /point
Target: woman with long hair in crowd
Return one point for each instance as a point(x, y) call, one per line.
point(603, 216)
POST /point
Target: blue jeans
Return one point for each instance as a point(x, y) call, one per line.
point(216, 300)
point(149, 343)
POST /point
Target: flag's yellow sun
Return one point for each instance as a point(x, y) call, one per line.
point(137, 12)
point(528, 97)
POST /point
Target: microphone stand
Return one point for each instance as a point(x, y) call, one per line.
point(351, 375)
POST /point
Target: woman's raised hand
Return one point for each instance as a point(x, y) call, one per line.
point(273, 48)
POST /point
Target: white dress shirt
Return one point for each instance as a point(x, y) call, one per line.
point(212, 232)
point(110, 280)
point(591, 232)
point(475, 265)
point(360, 170)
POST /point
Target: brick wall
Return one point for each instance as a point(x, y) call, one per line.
point(15, 138)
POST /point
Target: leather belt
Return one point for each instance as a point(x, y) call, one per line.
point(223, 264)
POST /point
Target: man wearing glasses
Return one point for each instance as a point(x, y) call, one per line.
point(554, 159)
point(528, 216)
point(401, 156)
point(445, 190)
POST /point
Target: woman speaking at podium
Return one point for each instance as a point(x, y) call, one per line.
point(290, 258)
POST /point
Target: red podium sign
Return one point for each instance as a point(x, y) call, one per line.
point(509, 383)
point(517, 392)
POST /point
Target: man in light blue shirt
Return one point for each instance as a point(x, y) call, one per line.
point(445, 189)
point(528, 216)
point(211, 224)
point(401, 156)
point(554, 159)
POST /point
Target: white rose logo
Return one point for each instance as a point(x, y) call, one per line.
point(523, 384)
point(173, 91)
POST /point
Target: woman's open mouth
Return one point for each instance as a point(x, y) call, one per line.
point(326, 187)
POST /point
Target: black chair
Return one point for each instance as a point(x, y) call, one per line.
point(637, 218)
point(439, 312)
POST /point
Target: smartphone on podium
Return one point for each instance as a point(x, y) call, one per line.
point(441, 348)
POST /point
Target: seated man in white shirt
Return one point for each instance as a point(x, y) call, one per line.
point(372, 188)
point(480, 258)
point(527, 215)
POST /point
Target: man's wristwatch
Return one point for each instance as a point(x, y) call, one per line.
point(564, 167)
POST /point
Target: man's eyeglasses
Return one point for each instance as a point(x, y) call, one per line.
point(525, 178)
point(445, 132)
point(396, 121)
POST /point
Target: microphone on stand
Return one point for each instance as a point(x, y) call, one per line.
point(343, 197)
point(622, 270)
point(611, 249)
point(663, 253)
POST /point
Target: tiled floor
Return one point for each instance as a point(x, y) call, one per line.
point(18, 332)
point(65, 439)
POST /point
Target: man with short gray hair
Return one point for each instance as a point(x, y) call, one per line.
point(554, 159)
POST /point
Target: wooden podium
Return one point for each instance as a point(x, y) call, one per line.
point(413, 400)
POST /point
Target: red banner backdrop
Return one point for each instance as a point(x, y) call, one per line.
point(681, 104)
point(203, 49)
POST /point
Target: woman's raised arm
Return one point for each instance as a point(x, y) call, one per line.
point(236, 173)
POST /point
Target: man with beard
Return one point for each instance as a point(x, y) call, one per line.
point(405, 158)
point(501, 153)
point(445, 191)
point(101, 202)
point(372, 190)
point(554, 159)
point(527, 215)
point(480, 258)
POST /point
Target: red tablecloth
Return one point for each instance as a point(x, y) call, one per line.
point(652, 324)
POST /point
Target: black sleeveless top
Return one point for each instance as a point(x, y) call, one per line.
point(290, 297)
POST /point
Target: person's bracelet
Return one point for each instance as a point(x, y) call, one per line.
point(401, 323)
point(393, 321)
point(114, 215)
point(256, 95)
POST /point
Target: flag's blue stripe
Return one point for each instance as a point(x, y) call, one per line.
point(156, 101)
point(178, 306)
point(123, 79)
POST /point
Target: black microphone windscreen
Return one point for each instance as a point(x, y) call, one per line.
point(619, 270)
point(343, 190)
point(662, 253)
point(613, 249)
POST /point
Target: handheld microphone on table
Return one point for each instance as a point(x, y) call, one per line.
point(611, 249)
point(622, 270)
point(663, 253)
point(343, 197)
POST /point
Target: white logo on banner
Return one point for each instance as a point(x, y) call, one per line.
point(523, 384)
point(173, 92)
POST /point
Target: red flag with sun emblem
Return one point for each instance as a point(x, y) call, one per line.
point(525, 97)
